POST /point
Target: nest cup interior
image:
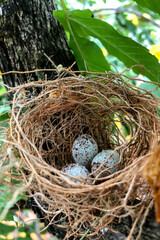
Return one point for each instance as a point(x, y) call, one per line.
point(60, 124)
point(91, 108)
point(109, 109)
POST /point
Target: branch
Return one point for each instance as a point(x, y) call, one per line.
point(120, 10)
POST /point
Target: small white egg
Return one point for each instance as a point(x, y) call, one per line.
point(100, 158)
point(75, 170)
point(84, 149)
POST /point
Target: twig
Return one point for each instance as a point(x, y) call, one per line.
point(54, 65)
point(120, 10)
point(134, 224)
point(144, 218)
point(32, 71)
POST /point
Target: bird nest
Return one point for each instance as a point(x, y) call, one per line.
point(46, 118)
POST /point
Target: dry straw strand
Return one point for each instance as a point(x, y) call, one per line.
point(44, 126)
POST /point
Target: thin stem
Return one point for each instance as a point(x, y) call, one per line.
point(85, 234)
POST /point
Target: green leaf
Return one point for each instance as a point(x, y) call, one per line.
point(6, 229)
point(6, 194)
point(2, 89)
point(125, 49)
point(4, 116)
point(88, 54)
point(153, 5)
point(62, 19)
point(26, 238)
point(9, 217)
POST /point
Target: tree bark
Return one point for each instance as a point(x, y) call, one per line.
point(28, 30)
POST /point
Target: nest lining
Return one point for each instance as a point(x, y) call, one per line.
point(43, 129)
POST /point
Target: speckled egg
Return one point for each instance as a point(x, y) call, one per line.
point(76, 170)
point(100, 158)
point(84, 149)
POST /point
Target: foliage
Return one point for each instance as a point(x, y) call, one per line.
point(13, 226)
point(152, 5)
point(82, 25)
point(4, 108)
point(84, 28)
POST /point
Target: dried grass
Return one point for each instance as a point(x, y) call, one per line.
point(42, 130)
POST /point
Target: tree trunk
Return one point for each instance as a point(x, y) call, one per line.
point(28, 30)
